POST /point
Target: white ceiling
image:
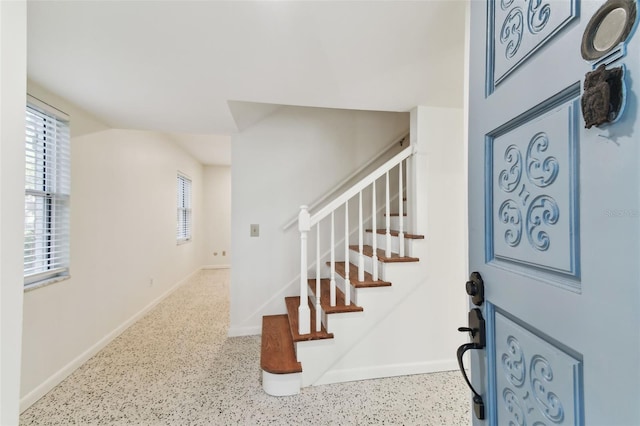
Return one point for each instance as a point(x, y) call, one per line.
point(183, 66)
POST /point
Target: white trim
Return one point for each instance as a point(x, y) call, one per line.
point(56, 378)
point(392, 370)
point(43, 283)
point(216, 267)
point(245, 331)
point(45, 107)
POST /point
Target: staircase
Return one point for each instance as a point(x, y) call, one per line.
point(332, 331)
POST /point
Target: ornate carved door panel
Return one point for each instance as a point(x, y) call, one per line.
point(554, 212)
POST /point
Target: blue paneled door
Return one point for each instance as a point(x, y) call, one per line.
point(554, 210)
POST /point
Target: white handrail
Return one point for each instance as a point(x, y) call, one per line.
point(351, 192)
point(396, 141)
point(306, 222)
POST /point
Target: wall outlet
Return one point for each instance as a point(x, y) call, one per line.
point(254, 230)
point(152, 281)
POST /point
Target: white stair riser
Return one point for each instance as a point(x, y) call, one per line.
point(281, 384)
point(381, 241)
point(413, 248)
point(395, 222)
point(354, 257)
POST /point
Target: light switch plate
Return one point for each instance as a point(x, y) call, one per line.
point(254, 230)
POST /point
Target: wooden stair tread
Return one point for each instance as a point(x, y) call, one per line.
point(395, 234)
point(353, 276)
point(395, 257)
point(325, 298)
point(278, 355)
point(395, 214)
point(292, 309)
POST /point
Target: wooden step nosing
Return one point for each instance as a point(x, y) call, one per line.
point(292, 308)
point(395, 233)
point(283, 361)
point(326, 305)
point(370, 283)
point(395, 258)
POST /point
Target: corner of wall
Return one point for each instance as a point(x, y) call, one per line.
point(13, 60)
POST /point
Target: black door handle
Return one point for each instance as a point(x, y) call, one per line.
point(478, 341)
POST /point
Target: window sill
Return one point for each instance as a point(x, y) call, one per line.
point(44, 283)
point(180, 242)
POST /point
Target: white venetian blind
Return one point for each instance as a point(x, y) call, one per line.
point(47, 189)
point(184, 209)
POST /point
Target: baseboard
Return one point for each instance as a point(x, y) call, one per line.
point(379, 371)
point(245, 331)
point(30, 398)
point(216, 267)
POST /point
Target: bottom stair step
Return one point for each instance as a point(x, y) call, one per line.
point(278, 355)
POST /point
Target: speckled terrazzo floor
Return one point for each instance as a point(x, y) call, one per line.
point(177, 367)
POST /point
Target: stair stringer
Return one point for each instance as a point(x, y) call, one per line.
point(321, 359)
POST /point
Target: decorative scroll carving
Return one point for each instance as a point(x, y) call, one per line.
point(524, 194)
point(541, 375)
point(513, 362)
point(512, 32)
point(538, 15)
point(506, 4)
point(511, 216)
point(541, 173)
point(510, 177)
point(513, 407)
point(542, 211)
point(519, 29)
point(535, 403)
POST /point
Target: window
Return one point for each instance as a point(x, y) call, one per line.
point(184, 209)
point(47, 189)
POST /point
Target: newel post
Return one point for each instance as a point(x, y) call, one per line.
point(304, 319)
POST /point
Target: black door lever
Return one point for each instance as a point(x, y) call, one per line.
point(478, 341)
point(470, 330)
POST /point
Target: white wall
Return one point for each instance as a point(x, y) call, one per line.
point(441, 215)
point(290, 158)
point(13, 69)
point(217, 216)
point(123, 235)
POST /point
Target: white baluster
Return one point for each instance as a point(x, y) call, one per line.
point(410, 225)
point(360, 240)
point(387, 251)
point(318, 289)
point(400, 211)
point(347, 283)
point(332, 284)
point(304, 314)
point(374, 226)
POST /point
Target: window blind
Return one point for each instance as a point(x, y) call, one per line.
point(47, 190)
point(184, 209)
